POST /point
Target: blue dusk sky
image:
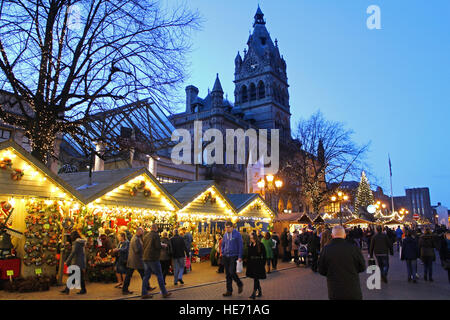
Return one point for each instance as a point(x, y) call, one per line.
point(391, 86)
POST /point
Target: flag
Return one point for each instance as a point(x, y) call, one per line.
point(390, 166)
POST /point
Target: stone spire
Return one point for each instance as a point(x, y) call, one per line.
point(259, 17)
point(217, 93)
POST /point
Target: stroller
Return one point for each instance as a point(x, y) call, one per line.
point(303, 254)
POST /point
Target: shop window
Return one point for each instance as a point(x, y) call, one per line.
point(4, 134)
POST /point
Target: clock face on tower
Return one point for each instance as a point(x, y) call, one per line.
point(252, 65)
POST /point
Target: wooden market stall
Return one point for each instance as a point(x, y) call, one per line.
point(253, 212)
point(34, 205)
point(291, 221)
point(129, 197)
point(393, 222)
point(204, 211)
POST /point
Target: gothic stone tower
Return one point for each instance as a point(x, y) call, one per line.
point(261, 85)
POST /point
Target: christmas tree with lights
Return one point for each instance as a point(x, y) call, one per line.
point(364, 195)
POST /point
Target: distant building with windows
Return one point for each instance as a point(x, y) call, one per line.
point(416, 201)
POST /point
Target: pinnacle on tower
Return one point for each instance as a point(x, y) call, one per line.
point(217, 86)
point(259, 17)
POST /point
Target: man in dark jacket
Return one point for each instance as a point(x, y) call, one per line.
point(179, 254)
point(410, 253)
point(285, 244)
point(341, 262)
point(381, 246)
point(152, 252)
point(313, 248)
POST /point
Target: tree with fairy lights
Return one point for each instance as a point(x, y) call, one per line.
point(63, 61)
point(364, 195)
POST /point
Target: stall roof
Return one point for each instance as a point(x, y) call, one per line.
point(184, 192)
point(25, 155)
point(288, 217)
point(358, 221)
point(107, 180)
point(394, 221)
point(297, 217)
point(240, 200)
point(304, 219)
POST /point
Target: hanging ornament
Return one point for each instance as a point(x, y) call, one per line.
point(147, 192)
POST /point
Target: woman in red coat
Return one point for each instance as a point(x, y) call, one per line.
point(256, 264)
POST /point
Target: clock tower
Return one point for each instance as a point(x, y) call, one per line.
point(261, 86)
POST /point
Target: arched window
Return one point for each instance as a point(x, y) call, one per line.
point(244, 94)
point(252, 92)
point(261, 90)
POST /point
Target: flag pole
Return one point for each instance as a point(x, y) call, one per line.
point(390, 174)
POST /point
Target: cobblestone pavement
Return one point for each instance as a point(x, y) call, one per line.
point(288, 283)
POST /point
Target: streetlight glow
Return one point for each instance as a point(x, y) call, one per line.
point(269, 178)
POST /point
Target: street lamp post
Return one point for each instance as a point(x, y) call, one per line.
point(271, 184)
point(339, 197)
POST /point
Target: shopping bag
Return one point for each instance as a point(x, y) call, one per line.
point(239, 266)
point(188, 263)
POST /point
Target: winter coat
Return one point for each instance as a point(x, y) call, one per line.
point(398, 233)
point(178, 247)
point(325, 238)
point(78, 255)
point(256, 262)
point(410, 249)
point(232, 245)
point(427, 246)
point(341, 263)
point(166, 252)
point(380, 245)
point(135, 254)
point(314, 243)
point(284, 239)
point(268, 243)
point(122, 254)
point(276, 244)
point(289, 244)
point(188, 240)
point(152, 246)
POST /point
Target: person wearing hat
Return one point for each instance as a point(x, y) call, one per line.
point(232, 250)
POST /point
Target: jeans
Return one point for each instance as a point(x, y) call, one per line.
point(128, 275)
point(149, 268)
point(383, 263)
point(411, 266)
point(428, 267)
point(178, 269)
point(230, 271)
